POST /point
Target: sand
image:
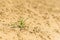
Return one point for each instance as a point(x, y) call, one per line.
point(41, 19)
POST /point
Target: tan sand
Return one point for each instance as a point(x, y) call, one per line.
point(41, 19)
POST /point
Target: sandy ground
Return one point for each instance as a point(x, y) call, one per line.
point(42, 19)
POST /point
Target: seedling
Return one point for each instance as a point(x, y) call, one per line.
point(21, 23)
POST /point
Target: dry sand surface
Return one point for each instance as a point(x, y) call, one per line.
point(29, 19)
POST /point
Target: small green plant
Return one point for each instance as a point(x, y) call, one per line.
point(21, 23)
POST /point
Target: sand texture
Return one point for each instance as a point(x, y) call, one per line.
point(29, 19)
